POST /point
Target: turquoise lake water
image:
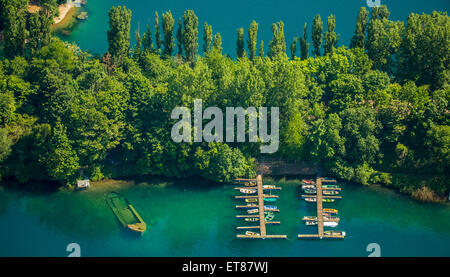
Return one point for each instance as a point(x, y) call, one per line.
point(227, 16)
point(197, 218)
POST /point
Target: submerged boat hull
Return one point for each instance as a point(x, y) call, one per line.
point(125, 213)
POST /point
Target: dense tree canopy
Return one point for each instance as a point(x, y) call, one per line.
point(365, 114)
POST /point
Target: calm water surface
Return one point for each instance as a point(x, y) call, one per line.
point(196, 218)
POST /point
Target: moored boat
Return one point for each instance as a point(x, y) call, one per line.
point(330, 224)
point(334, 233)
point(331, 187)
point(250, 184)
point(251, 200)
point(269, 217)
point(248, 191)
point(250, 233)
point(331, 218)
point(251, 219)
point(310, 199)
point(269, 187)
point(311, 223)
point(309, 218)
point(273, 199)
point(308, 186)
point(330, 192)
point(249, 206)
point(310, 191)
point(252, 211)
point(327, 200)
point(125, 213)
point(332, 211)
point(270, 207)
point(305, 181)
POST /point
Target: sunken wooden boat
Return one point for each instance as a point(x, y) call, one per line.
point(125, 213)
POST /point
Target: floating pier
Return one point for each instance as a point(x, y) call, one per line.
point(319, 204)
point(262, 221)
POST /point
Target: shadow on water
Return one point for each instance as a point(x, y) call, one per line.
point(31, 188)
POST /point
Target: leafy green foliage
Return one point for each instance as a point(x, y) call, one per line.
point(372, 114)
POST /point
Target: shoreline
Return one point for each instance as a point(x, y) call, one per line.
point(120, 183)
point(67, 24)
point(63, 11)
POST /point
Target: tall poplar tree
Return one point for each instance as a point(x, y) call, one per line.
point(119, 33)
point(34, 38)
point(15, 28)
point(147, 44)
point(331, 38)
point(304, 45)
point(190, 35)
point(261, 49)
point(277, 45)
point(207, 37)
point(252, 39)
point(240, 51)
point(157, 33)
point(217, 44)
point(317, 30)
point(358, 39)
point(293, 47)
point(167, 24)
point(180, 37)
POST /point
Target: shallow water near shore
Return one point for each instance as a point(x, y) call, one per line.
point(193, 217)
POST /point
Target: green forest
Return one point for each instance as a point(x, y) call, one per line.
point(373, 112)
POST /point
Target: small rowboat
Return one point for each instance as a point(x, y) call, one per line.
point(251, 200)
point(310, 199)
point(327, 200)
point(330, 192)
point(330, 187)
point(270, 199)
point(334, 233)
point(333, 211)
point(252, 211)
point(248, 206)
point(330, 224)
point(269, 187)
point(331, 218)
point(251, 219)
point(310, 191)
point(250, 233)
point(270, 207)
point(269, 217)
point(325, 223)
point(308, 186)
point(248, 191)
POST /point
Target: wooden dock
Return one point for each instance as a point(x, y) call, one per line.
point(262, 221)
point(319, 205)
